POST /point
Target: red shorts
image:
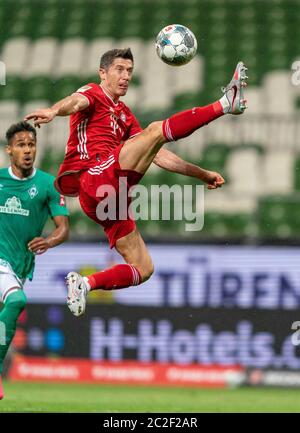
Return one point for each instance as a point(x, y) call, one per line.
point(107, 173)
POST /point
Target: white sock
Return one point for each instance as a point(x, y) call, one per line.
point(225, 103)
point(86, 280)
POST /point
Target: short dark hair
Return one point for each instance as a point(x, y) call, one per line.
point(19, 127)
point(108, 57)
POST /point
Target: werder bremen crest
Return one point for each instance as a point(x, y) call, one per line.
point(14, 205)
point(33, 191)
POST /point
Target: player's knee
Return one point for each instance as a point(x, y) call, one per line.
point(146, 271)
point(17, 300)
point(154, 129)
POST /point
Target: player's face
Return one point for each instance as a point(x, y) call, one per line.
point(117, 77)
point(22, 150)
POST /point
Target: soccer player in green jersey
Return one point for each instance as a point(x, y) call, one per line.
point(27, 199)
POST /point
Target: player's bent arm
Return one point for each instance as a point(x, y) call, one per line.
point(70, 105)
point(67, 106)
point(59, 235)
point(171, 162)
point(61, 232)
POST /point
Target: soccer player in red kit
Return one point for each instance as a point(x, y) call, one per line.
point(106, 143)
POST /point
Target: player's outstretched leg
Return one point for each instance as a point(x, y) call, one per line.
point(138, 152)
point(183, 124)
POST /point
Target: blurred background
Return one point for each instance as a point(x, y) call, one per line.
point(223, 296)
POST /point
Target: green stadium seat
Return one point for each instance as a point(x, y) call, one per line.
point(9, 112)
point(240, 225)
point(297, 173)
point(37, 88)
point(43, 29)
point(83, 226)
point(100, 30)
point(12, 90)
point(214, 157)
point(18, 28)
point(184, 101)
point(75, 27)
point(49, 161)
point(65, 86)
point(297, 102)
point(214, 225)
point(278, 216)
point(234, 226)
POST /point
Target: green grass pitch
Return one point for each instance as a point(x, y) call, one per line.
point(41, 397)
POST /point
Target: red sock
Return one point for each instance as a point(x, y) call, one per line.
point(182, 124)
point(117, 277)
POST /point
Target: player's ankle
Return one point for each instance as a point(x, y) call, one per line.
point(87, 283)
point(219, 107)
point(224, 104)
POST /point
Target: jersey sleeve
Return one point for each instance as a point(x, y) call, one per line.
point(135, 127)
point(56, 202)
point(89, 92)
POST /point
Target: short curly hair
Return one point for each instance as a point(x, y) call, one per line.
point(19, 127)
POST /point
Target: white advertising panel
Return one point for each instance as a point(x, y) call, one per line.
point(185, 275)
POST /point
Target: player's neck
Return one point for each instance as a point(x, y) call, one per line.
point(21, 173)
point(115, 98)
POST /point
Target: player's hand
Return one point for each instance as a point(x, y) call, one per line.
point(38, 245)
point(43, 115)
point(214, 180)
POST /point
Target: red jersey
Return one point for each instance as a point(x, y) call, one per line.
point(97, 130)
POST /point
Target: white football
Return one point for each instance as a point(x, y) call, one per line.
point(176, 45)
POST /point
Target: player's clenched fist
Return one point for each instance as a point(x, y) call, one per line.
point(214, 180)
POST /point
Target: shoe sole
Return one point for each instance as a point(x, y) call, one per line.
point(242, 77)
point(237, 84)
point(76, 310)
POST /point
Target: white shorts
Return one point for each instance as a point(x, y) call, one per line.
point(9, 282)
